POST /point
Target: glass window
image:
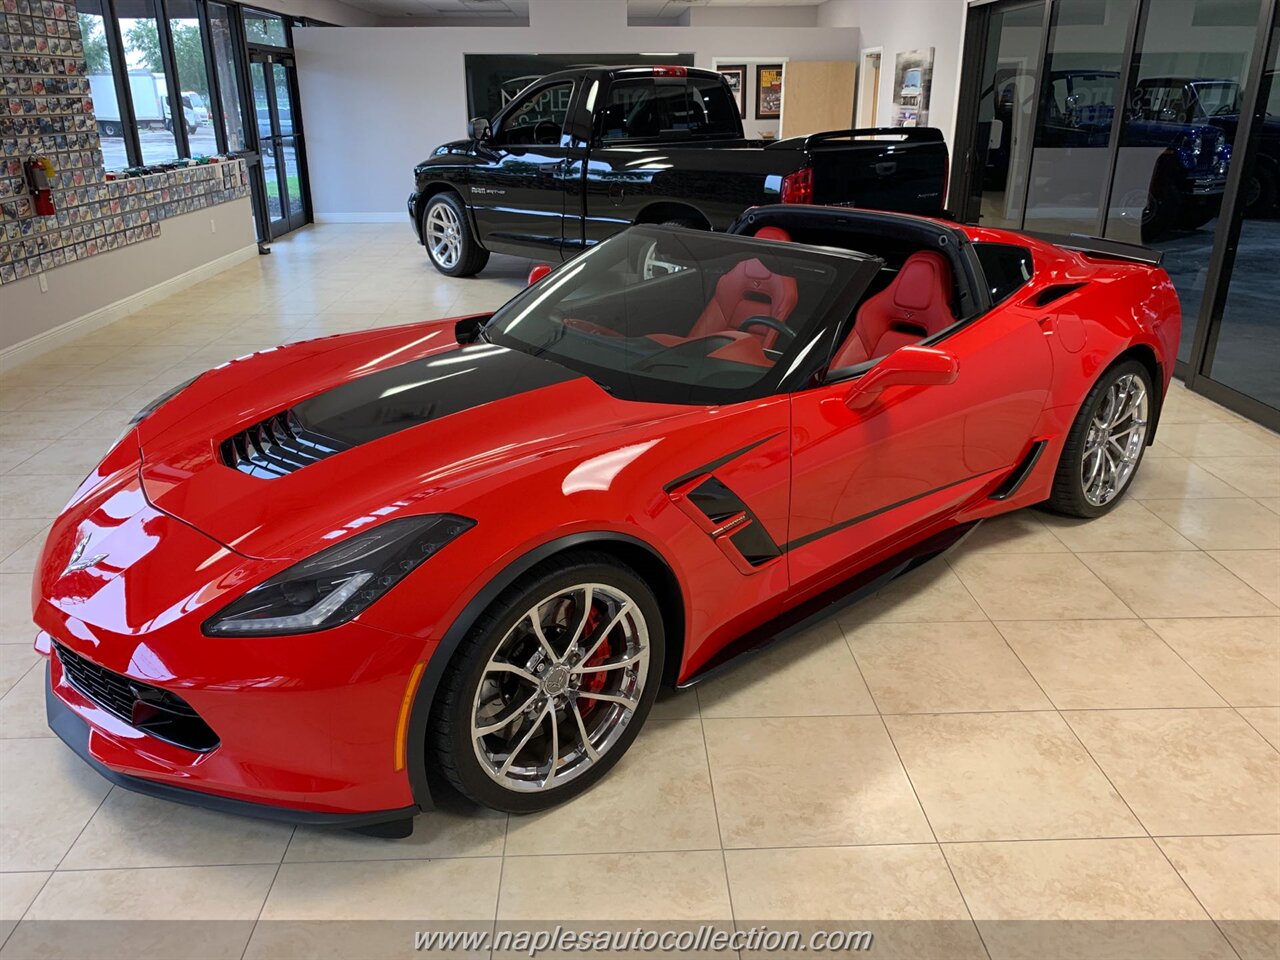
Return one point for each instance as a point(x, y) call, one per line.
point(1006, 267)
point(1177, 140)
point(152, 107)
point(193, 75)
point(536, 118)
point(1078, 95)
point(260, 27)
point(1246, 356)
point(642, 108)
point(102, 72)
point(228, 80)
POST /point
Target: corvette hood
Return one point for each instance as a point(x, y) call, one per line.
point(276, 453)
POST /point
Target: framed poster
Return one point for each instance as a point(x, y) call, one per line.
point(912, 84)
point(736, 76)
point(769, 91)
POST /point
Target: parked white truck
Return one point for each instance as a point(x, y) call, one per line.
point(150, 103)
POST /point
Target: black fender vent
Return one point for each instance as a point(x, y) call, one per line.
point(723, 515)
point(1053, 293)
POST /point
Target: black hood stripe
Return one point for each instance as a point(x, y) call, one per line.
point(410, 394)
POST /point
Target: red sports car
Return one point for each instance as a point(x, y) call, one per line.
point(324, 581)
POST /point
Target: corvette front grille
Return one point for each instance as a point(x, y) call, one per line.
point(161, 713)
point(276, 446)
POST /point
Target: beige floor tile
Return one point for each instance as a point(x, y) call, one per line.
point(1252, 476)
point(687, 886)
point(26, 558)
point(1218, 440)
point(1186, 771)
point(168, 914)
point(1020, 532)
point(15, 609)
point(442, 832)
point(43, 809)
point(1130, 526)
point(1007, 776)
point(1177, 585)
point(1266, 720)
point(810, 781)
point(15, 533)
point(1038, 587)
point(808, 675)
point(905, 895)
point(658, 797)
point(104, 426)
point(1238, 656)
point(40, 425)
point(1082, 898)
point(1098, 664)
point(1177, 478)
point(17, 891)
point(1237, 879)
point(675, 705)
point(15, 660)
point(932, 594)
point(130, 830)
point(43, 497)
point(1183, 406)
point(13, 452)
point(942, 668)
point(22, 708)
point(1237, 524)
point(1260, 569)
point(459, 889)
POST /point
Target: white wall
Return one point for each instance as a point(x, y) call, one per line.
point(376, 101)
point(901, 25)
point(330, 11)
point(187, 245)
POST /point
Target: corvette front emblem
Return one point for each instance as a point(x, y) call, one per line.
point(79, 561)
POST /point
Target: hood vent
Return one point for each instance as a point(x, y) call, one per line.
point(277, 446)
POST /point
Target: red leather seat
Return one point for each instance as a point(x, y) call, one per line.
point(773, 233)
point(748, 290)
point(916, 305)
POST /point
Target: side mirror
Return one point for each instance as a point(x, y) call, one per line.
point(478, 128)
point(539, 271)
point(906, 366)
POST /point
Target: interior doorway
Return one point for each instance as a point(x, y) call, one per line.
point(868, 109)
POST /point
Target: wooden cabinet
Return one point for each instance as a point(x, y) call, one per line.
point(817, 95)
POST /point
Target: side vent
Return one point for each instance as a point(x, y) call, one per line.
point(1053, 293)
point(723, 516)
point(276, 446)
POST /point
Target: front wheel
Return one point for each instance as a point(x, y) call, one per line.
point(446, 233)
point(551, 685)
point(1106, 443)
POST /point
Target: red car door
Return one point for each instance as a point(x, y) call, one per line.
point(864, 479)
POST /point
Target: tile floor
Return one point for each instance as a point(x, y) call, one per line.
point(1065, 721)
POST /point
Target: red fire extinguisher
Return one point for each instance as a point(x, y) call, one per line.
point(39, 175)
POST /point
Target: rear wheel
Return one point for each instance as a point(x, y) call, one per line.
point(1106, 443)
point(551, 685)
point(446, 233)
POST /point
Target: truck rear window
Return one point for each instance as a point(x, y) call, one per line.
point(1007, 267)
point(668, 108)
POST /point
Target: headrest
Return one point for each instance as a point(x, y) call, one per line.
point(773, 233)
point(924, 276)
point(753, 269)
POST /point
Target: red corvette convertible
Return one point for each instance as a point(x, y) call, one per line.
point(320, 582)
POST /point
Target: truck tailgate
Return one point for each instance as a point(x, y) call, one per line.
point(900, 169)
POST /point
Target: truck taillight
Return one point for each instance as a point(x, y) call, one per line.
point(797, 187)
point(670, 71)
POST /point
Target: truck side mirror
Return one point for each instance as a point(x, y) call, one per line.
point(906, 366)
point(478, 128)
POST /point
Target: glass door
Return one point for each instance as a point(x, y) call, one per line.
point(280, 140)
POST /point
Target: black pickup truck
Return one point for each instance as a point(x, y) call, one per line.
point(582, 153)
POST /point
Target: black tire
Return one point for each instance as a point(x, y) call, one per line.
point(1068, 496)
point(449, 746)
point(1261, 192)
point(1164, 204)
point(472, 257)
point(108, 128)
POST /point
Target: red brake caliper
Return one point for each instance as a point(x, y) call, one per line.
point(594, 682)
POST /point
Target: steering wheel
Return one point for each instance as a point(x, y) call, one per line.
point(785, 333)
point(546, 132)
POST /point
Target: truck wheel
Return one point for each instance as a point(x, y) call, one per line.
point(109, 128)
point(446, 233)
point(1260, 192)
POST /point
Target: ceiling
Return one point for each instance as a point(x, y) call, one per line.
point(518, 10)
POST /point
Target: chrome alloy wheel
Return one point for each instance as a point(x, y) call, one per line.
point(1114, 442)
point(444, 235)
point(561, 687)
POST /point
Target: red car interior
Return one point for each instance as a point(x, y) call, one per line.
point(916, 305)
point(748, 290)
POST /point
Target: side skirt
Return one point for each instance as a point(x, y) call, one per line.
point(842, 595)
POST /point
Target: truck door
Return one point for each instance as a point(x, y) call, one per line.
point(518, 192)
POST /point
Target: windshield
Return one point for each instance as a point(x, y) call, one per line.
point(1217, 99)
point(682, 316)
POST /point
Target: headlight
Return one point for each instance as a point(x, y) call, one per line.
point(161, 400)
point(338, 583)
